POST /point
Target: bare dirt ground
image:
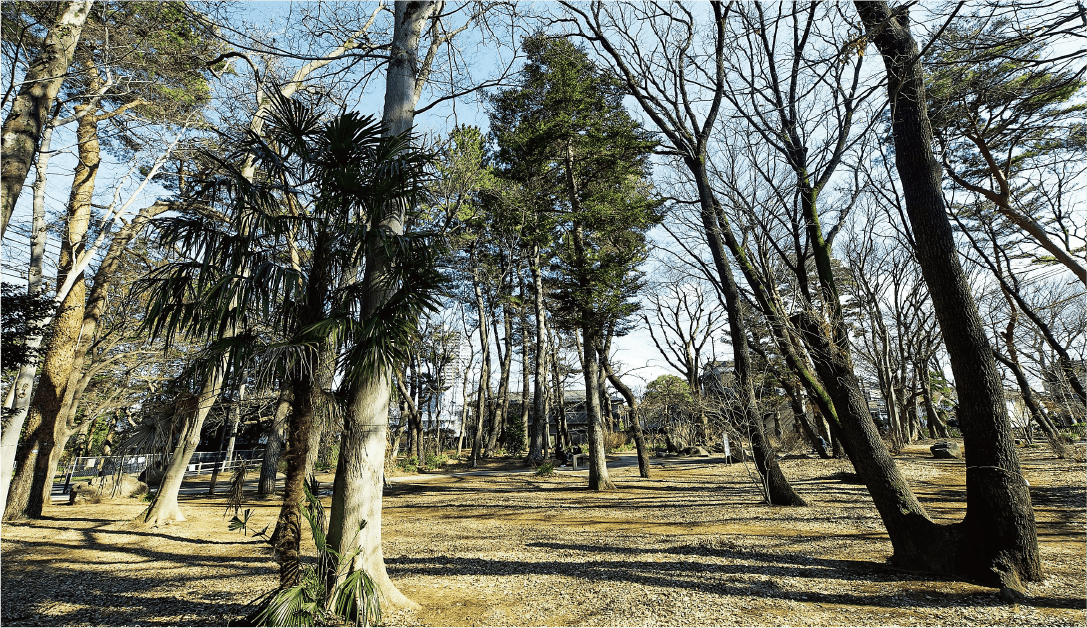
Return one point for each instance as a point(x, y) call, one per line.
point(691, 546)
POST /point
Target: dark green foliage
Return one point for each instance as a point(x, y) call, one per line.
point(16, 308)
point(564, 134)
point(323, 185)
point(984, 85)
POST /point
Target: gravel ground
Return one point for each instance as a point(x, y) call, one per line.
point(688, 547)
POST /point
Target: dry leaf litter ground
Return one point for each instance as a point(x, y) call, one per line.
point(688, 547)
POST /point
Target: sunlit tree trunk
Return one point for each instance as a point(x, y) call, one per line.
point(29, 111)
point(17, 403)
point(355, 517)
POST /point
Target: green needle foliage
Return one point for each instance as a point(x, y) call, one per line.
point(564, 134)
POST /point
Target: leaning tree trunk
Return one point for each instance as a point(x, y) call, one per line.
point(632, 406)
point(17, 403)
point(800, 416)
point(269, 466)
point(999, 541)
point(1028, 398)
point(23, 126)
point(598, 465)
point(32, 481)
point(778, 490)
point(937, 428)
point(164, 508)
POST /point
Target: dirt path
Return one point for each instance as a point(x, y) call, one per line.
point(688, 547)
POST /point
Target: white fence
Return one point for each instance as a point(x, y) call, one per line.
point(201, 462)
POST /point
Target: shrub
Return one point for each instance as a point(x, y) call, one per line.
point(409, 464)
point(614, 441)
point(356, 601)
point(546, 469)
point(435, 461)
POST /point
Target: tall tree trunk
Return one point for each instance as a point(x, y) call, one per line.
point(998, 541)
point(502, 401)
point(415, 416)
point(800, 414)
point(235, 420)
point(463, 408)
point(23, 126)
point(21, 390)
point(562, 430)
point(598, 465)
point(483, 392)
point(218, 463)
point(230, 433)
point(355, 517)
point(937, 428)
point(1035, 410)
point(31, 481)
point(526, 368)
point(269, 466)
point(538, 447)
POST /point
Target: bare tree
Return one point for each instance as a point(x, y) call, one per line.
point(997, 541)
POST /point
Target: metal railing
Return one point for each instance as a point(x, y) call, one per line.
point(200, 463)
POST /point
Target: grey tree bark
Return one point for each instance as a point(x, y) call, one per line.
point(355, 517)
point(635, 419)
point(539, 445)
point(29, 111)
point(269, 465)
point(22, 387)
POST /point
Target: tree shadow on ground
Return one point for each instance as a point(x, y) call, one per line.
point(734, 579)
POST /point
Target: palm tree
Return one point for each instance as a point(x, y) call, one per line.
point(288, 249)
